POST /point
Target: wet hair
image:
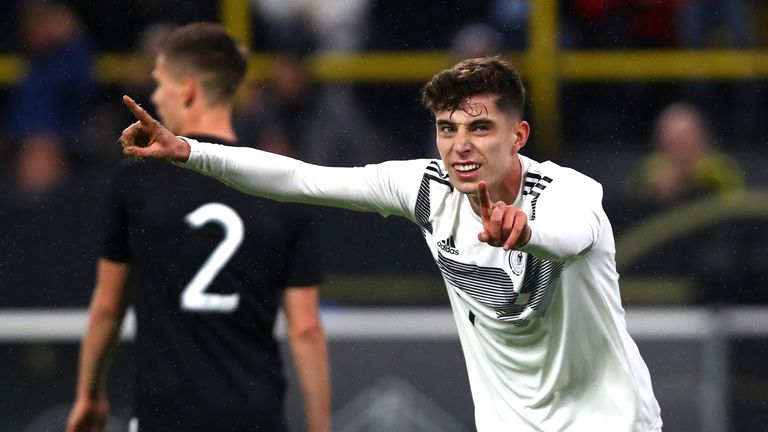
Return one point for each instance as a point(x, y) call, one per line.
point(210, 53)
point(451, 88)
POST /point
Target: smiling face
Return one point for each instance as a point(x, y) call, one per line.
point(479, 142)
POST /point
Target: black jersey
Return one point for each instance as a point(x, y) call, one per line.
point(209, 267)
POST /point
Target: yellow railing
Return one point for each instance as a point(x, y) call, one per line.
point(544, 65)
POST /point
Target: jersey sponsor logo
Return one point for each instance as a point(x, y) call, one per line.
point(448, 246)
point(516, 262)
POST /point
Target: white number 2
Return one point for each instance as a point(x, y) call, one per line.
point(194, 298)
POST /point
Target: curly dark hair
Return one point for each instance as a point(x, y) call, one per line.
point(450, 89)
point(209, 52)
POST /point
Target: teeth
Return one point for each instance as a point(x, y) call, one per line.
point(465, 168)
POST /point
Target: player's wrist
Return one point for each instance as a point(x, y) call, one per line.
point(183, 152)
point(525, 236)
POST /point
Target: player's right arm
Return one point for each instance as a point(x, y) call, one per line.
point(108, 305)
point(387, 188)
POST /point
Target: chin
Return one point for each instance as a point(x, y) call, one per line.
point(173, 128)
point(466, 188)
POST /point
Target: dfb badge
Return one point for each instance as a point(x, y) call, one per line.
point(517, 262)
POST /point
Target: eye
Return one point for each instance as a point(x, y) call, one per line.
point(446, 128)
point(482, 127)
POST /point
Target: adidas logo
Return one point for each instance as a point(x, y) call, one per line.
point(448, 246)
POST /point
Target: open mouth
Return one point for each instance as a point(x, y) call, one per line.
point(463, 168)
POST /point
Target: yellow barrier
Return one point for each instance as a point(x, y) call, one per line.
point(544, 65)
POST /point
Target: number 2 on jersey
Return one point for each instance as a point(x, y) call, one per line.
point(194, 298)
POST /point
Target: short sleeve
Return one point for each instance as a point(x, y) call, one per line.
point(114, 234)
point(305, 265)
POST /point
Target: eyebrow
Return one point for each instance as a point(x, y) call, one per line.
point(481, 121)
point(474, 122)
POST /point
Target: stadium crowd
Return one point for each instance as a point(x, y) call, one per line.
point(55, 159)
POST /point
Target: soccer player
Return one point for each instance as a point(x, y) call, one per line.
point(525, 249)
point(210, 267)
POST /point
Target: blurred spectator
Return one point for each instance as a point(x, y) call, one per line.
point(46, 214)
point(658, 23)
point(40, 166)
point(715, 22)
point(44, 207)
point(51, 102)
point(619, 24)
point(289, 115)
point(684, 163)
point(105, 18)
point(276, 115)
point(476, 40)
point(683, 24)
point(424, 25)
point(511, 18)
point(338, 25)
point(321, 124)
point(96, 136)
point(723, 24)
point(341, 133)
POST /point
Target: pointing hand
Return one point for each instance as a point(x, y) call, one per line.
point(503, 224)
point(148, 139)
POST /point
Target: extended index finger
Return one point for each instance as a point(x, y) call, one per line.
point(139, 112)
point(485, 201)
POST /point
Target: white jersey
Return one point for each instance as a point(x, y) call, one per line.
point(542, 328)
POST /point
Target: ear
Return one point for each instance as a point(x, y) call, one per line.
point(190, 90)
point(522, 132)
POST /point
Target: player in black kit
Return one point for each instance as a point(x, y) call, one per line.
point(209, 268)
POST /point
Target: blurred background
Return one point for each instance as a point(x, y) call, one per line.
point(662, 101)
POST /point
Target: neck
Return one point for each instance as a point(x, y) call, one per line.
point(216, 122)
point(510, 187)
point(505, 191)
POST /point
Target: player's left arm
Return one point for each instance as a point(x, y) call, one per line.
point(569, 219)
point(310, 355)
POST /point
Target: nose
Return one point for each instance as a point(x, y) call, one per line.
point(462, 141)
